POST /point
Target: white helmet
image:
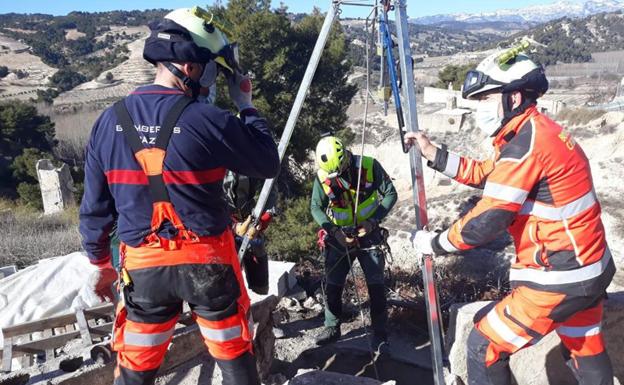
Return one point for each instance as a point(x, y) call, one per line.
point(506, 71)
point(190, 34)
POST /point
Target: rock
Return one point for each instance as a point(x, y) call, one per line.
point(56, 185)
point(543, 363)
point(311, 303)
point(264, 339)
point(14, 378)
point(276, 379)
point(287, 303)
point(278, 332)
point(317, 377)
point(71, 364)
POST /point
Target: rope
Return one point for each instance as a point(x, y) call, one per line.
point(357, 196)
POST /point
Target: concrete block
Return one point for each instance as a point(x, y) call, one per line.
point(444, 120)
point(542, 363)
point(281, 280)
point(56, 186)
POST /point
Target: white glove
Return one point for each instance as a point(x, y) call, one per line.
point(239, 87)
point(421, 241)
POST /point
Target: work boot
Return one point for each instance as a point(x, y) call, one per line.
point(379, 344)
point(328, 335)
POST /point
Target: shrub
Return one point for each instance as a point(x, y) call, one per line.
point(66, 79)
point(30, 195)
point(24, 167)
point(4, 71)
point(46, 96)
point(21, 74)
point(293, 234)
point(454, 74)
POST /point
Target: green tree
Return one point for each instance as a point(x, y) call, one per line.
point(46, 96)
point(292, 235)
point(21, 127)
point(276, 52)
point(24, 166)
point(454, 74)
point(65, 79)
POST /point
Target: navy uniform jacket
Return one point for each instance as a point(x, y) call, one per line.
point(206, 141)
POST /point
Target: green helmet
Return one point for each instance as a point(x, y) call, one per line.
point(331, 155)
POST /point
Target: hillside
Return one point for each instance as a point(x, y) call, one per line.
point(573, 40)
point(526, 17)
point(84, 44)
point(427, 41)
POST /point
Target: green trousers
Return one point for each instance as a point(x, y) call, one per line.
point(337, 266)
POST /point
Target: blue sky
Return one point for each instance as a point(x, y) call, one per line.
point(415, 8)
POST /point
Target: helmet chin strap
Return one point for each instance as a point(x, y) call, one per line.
point(509, 112)
point(193, 85)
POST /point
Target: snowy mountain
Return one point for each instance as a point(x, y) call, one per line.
point(530, 15)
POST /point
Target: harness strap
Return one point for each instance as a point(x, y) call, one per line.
point(151, 159)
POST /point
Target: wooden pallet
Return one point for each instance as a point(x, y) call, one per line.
point(89, 325)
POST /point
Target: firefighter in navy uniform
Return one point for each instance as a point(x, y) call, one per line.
point(155, 162)
point(333, 208)
point(538, 186)
point(240, 192)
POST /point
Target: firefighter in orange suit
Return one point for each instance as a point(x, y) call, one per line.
point(155, 165)
point(538, 186)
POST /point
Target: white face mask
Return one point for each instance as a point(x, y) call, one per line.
point(209, 75)
point(487, 116)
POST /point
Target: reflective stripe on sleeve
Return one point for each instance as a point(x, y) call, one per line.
point(579, 331)
point(445, 243)
point(505, 331)
point(559, 213)
point(151, 339)
point(542, 277)
point(221, 335)
point(452, 165)
point(505, 193)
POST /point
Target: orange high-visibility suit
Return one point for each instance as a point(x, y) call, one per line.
point(538, 187)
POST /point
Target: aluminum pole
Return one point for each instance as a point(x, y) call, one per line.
point(294, 113)
point(418, 190)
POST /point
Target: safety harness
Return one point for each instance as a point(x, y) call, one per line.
point(343, 205)
point(151, 161)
